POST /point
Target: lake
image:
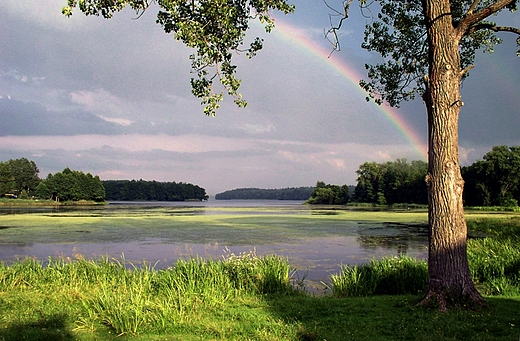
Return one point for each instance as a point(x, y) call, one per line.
point(316, 240)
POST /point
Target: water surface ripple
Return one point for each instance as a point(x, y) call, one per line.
point(316, 240)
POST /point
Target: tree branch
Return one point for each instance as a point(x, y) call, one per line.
point(473, 6)
point(333, 30)
point(463, 72)
point(471, 19)
point(494, 28)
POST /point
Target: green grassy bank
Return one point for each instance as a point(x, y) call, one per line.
point(246, 297)
point(243, 298)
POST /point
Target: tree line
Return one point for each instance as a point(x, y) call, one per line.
point(491, 181)
point(71, 185)
point(291, 193)
point(391, 182)
point(19, 178)
point(141, 190)
point(494, 180)
point(327, 194)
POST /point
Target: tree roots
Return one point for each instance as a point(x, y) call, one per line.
point(468, 298)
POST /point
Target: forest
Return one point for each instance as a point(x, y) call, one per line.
point(19, 179)
point(292, 193)
point(494, 180)
point(391, 183)
point(71, 185)
point(327, 194)
point(132, 190)
point(491, 181)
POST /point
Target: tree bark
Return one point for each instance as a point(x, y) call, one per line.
point(450, 279)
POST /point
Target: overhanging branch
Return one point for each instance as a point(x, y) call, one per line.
point(463, 72)
point(473, 6)
point(471, 19)
point(333, 30)
point(495, 28)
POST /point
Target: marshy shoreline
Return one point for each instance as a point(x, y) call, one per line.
point(246, 294)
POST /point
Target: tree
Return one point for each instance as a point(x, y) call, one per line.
point(152, 191)
point(71, 185)
point(494, 179)
point(329, 194)
point(42, 191)
point(293, 193)
point(369, 186)
point(391, 182)
point(24, 175)
point(428, 47)
point(7, 183)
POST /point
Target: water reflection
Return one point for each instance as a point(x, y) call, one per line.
point(161, 233)
point(394, 236)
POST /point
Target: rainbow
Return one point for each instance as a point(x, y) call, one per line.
point(292, 34)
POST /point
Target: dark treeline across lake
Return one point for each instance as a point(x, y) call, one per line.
point(315, 240)
point(292, 193)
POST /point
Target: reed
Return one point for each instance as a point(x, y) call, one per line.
point(132, 300)
point(495, 265)
point(388, 276)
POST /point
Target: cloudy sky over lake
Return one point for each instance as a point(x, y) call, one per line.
point(112, 97)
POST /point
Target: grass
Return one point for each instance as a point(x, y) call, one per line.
point(388, 276)
point(241, 298)
point(272, 317)
point(495, 260)
point(104, 296)
point(507, 226)
point(494, 263)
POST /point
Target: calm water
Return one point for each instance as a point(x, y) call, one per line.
point(315, 243)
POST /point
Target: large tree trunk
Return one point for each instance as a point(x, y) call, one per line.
point(450, 278)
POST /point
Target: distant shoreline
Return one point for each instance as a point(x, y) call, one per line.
point(34, 202)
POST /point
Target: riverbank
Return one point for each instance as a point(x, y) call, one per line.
point(246, 297)
point(243, 298)
point(40, 203)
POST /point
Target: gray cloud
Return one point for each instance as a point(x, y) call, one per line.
point(20, 118)
point(112, 97)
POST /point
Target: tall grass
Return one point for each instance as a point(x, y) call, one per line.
point(131, 300)
point(495, 260)
point(391, 276)
point(494, 263)
point(495, 208)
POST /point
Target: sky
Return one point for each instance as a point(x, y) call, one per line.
point(113, 98)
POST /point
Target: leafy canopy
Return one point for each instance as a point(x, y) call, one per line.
point(494, 180)
point(398, 34)
point(214, 28)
